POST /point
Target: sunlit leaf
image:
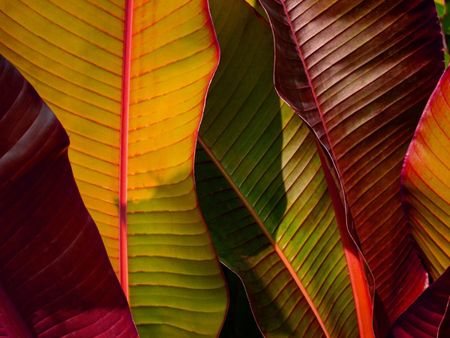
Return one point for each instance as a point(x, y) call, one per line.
point(441, 8)
point(128, 81)
point(264, 195)
point(426, 180)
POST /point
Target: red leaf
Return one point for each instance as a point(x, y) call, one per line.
point(425, 318)
point(359, 73)
point(55, 276)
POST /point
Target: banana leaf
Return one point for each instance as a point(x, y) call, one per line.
point(426, 181)
point(128, 80)
point(55, 276)
point(429, 316)
point(359, 73)
point(264, 195)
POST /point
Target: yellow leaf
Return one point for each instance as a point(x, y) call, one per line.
point(73, 54)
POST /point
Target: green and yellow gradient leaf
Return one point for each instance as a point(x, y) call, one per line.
point(441, 8)
point(128, 82)
point(426, 180)
point(264, 195)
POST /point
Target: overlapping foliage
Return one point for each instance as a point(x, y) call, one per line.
point(304, 190)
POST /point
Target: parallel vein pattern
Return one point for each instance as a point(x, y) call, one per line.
point(72, 52)
point(263, 192)
point(429, 316)
point(176, 289)
point(55, 276)
point(359, 73)
point(426, 180)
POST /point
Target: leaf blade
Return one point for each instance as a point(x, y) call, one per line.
point(427, 316)
point(72, 52)
point(358, 74)
point(255, 198)
point(55, 275)
point(425, 181)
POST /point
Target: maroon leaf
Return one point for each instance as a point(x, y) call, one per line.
point(359, 73)
point(425, 318)
point(55, 276)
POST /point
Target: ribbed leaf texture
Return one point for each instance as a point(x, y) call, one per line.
point(55, 276)
point(426, 180)
point(359, 73)
point(132, 104)
point(429, 316)
point(264, 195)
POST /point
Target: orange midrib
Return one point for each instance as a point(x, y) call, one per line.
point(123, 161)
point(363, 302)
point(360, 290)
point(277, 249)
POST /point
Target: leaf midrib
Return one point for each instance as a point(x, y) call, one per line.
point(123, 159)
point(267, 234)
point(354, 275)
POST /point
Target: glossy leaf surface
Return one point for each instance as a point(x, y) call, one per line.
point(429, 316)
point(426, 180)
point(264, 194)
point(359, 73)
point(138, 112)
point(55, 276)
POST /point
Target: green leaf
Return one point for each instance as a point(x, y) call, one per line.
point(264, 195)
point(441, 8)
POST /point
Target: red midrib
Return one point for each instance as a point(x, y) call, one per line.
point(123, 166)
point(363, 302)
